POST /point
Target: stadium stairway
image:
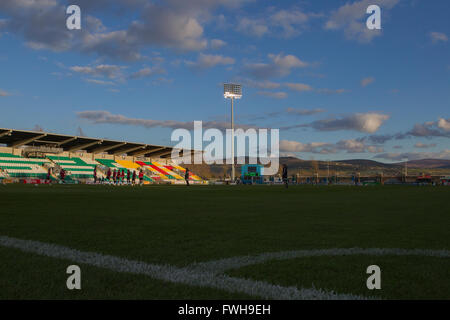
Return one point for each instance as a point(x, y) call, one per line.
point(129, 165)
point(154, 173)
point(110, 164)
point(168, 172)
point(75, 167)
point(132, 166)
point(15, 166)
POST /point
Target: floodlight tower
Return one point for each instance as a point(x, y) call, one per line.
point(232, 91)
point(406, 168)
point(328, 172)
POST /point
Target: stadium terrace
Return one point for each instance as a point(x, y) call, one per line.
point(40, 157)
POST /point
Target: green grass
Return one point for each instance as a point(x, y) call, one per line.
point(179, 225)
point(30, 276)
point(402, 277)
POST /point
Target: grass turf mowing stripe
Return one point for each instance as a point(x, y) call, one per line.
point(171, 273)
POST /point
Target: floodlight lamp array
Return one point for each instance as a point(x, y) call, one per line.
point(231, 90)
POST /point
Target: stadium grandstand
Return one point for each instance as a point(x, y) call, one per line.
point(40, 157)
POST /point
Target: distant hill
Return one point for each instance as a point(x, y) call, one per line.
point(368, 163)
point(341, 167)
point(428, 164)
point(353, 163)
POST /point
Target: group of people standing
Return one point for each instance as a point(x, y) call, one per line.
point(120, 176)
point(116, 176)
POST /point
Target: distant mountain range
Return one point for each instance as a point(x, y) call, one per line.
point(428, 163)
point(364, 163)
point(346, 167)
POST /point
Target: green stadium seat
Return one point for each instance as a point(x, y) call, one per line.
point(16, 166)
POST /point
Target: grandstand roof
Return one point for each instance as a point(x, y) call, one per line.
point(19, 138)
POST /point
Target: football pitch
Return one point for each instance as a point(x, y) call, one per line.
point(224, 242)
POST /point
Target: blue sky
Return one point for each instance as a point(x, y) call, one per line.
point(139, 69)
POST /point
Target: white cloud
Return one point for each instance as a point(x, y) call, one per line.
point(264, 84)
point(375, 149)
point(444, 124)
point(424, 145)
point(300, 87)
point(304, 112)
point(351, 18)
point(206, 4)
point(146, 72)
point(279, 66)
point(276, 95)
point(439, 128)
point(288, 112)
point(362, 122)
point(205, 61)
point(40, 31)
point(444, 154)
point(286, 23)
point(100, 82)
point(357, 146)
point(253, 27)
point(106, 117)
point(4, 93)
point(428, 129)
point(291, 22)
point(350, 146)
point(366, 81)
point(170, 27)
point(294, 146)
point(438, 37)
point(331, 91)
point(217, 44)
point(103, 70)
point(105, 45)
point(287, 61)
point(174, 24)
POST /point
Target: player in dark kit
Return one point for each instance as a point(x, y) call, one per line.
point(186, 176)
point(95, 174)
point(285, 175)
point(128, 176)
point(141, 177)
point(62, 175)
point(134, 177)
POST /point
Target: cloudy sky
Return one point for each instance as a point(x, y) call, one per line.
point(140, 68)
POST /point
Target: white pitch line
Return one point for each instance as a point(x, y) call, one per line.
point(174, 274)
point(222, 265)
